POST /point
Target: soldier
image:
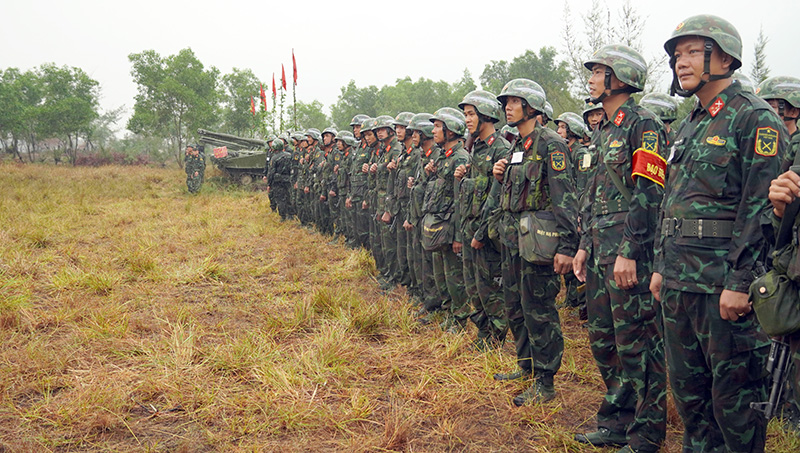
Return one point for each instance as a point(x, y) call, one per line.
point(481, 256)
point(593, 114)
point(370, 202)
point(385, 166)
point(297, 154)
point(273, 205)
point(571, 128)
point(536, 180)
point(625, 330)
point(327, 182)
point(358, 186)
point(726, 149)
point(665, 108)
point(449, 127)
point(195, 167)
point(744, 81)
point(279, 178)
point(401, 169)
point(783, 95)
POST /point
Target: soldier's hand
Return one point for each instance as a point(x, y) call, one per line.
point(295, 186)
point(365, 168)
point(579, 265)
point(336, 169)
point(476, 244)
point(499, 170)
point(655, 285)
point(331, 193)
point(386, 218)
point(306, 190)
point(410, 183)
point(430, 167)
point(457, 246)
point(460, 171)
point(196, 174)
point(348, 203)
point(625, 273)
point(562, 264)
point(734, 305)
point(391, 165)
point(322, 198)
point(264, 178)
point(783, 190)
point(363, 205)
point(407, 226)
point(373, 168)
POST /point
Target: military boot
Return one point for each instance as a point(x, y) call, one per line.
point(540, 392)
point(513, 376)
point(603, 437)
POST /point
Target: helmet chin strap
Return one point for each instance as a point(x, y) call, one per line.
point(607, 91)
point(525, 116)
point(676, 86)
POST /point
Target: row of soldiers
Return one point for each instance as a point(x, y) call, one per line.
point(665, 227)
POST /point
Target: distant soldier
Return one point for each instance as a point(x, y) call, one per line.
point(386, 165)
point(357, 190)
point(279, 178)
point(665, 108)
point(782, 93)
point(195, 167)
point(399, 195)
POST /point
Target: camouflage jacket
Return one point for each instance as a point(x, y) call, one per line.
point(421, 179)
point(280, 169)
point(582, 160)
point(333, 158)
point(194, 164)
point(631, 145)
point(440, 191)
point(474, 188)
point(791, 152)
point(342, 171)
point(297, 154)
point(385, 177)
point(405, 166)
point(538, 177)
point(720, 168)
point(358, 179)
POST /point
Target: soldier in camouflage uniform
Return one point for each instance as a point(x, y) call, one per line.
point(195, 167)
point(448, 131)
point(370, 203)
point(313, 165)
point(481, 256)
point(535, 178)
point(625, 329)
point(665, 108)
point(782, 93)
point(593, 114)
point(297, 154)
point(279, 178)
point(358, 185)
point(571, 128)
point(391, 150)
point(397, 199)
point(710, 241)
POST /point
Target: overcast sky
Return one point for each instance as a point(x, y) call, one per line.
point(373, 43)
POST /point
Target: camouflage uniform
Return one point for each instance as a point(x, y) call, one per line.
point(279, 177)
point(194, 164)
point(358, 193)
point(391, 149)
point(719, 170)
point(397, 202)
point(625, 329)
point(665, 108)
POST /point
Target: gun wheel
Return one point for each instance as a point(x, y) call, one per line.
point(246, 180)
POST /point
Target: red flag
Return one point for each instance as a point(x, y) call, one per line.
point(264, 97)
point(283, 77)
point(274, 93)
point(252, 105)
point(294, 65)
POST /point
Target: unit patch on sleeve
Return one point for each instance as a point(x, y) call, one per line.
point(650, 141)
point(558, 160)
point(766, 141)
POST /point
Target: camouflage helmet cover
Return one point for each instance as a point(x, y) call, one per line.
point(574, 123)
point(368, 124)
point(781, 87)
point(485, 103)
point(664, 106)
point(590, 107)
point(509, 130)
point(358, 120)
point(548, 111)
point(709, 26)
point(314, 134)
point(746, 83)
point(330, 130)
point(299, 136)
point(277, 144)
point(403, 119)
point(526, 89)
point(422, 122)
point(347, 137)
point(628, 65)
point(383, 121)
point(452, 118)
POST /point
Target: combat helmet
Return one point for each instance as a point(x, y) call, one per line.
point(403, 119)
point(330, 130)
point(453, 119)
point(358, 120)
point(485, 103)
point(347, 137)
point(299, 136)
point(746, 83)
point(384, 121)
point(548, 112)
point(574, 123)
point(368, 125)
point(527, 89)
point(626, 63)
point(715, 30)
point(590, 107)
point(277, 144)
point(314, 134)
point(422, 122)
point(663, 106)
point(784, 89)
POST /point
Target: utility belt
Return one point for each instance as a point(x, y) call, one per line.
point(697, 228)
point(603, 207)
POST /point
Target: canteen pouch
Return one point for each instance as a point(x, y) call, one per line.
point(776, 301)
point(437, 231)
point(538, 236)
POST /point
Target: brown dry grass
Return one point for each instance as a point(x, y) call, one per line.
point(136, 317)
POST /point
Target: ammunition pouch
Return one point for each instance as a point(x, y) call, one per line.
point(538, 236)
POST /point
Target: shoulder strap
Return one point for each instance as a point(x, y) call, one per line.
point(619, 185)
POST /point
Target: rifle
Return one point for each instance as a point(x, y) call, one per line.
point(778, 365)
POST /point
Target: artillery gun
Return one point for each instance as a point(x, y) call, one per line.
point(240, 159)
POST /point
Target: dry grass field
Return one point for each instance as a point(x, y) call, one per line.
point(135, 317)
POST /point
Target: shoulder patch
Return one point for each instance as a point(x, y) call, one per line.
point(620, 117)
point(650, 141)
point(558, 160)
point(766, 141)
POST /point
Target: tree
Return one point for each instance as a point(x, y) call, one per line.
point(176, 96)
point(238, 87)
point(759, 71)
point(311, 115)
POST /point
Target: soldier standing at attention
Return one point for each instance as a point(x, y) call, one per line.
point(625, 330)
point(400, 170)
point(195, 167)
point(725, 151)
point(481, 257)
point(358, 185)
point(391, 149)
point(536, 180)
point(279, 178)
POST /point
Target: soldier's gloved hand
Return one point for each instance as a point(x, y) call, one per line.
point(655, 285)
point(734, 305)
point(460, 171)
point(499, 170)
point(625, 273)
point(783, 190)
point(579, 265)
point(562, 264)
point(407, 226)
point(410, 183)
point(477, 245)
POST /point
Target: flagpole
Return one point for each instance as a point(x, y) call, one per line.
point(294, 89)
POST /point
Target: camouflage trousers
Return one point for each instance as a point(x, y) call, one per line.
point(794, 377)
point(375, 244)
point(279, 196)
point(389, 248)
point(449, 276)
point(322, 215)
point(402, 277)
point(574, 299)
point(193, 183)
point(716, 369)
point(359, 220)
point(483, 284)
point(434, 296)
point(333, 210)
point(539, 287)
point(415, 266)
point(625, 334)
point(273, 203)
